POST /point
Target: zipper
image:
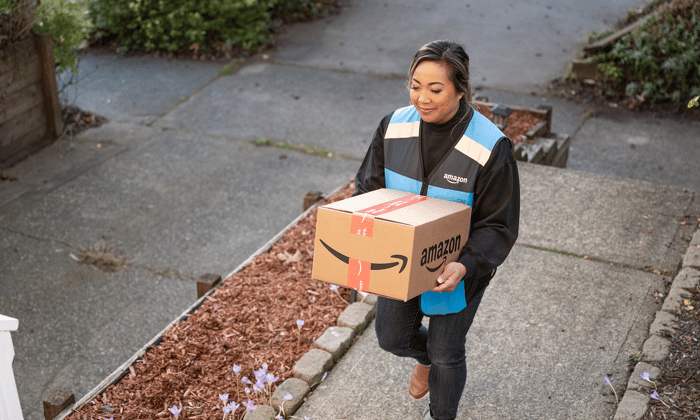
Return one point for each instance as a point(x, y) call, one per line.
point(425, 185)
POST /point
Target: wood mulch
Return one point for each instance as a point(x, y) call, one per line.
point(678, 387)
point(519, 122)
point(250, 320)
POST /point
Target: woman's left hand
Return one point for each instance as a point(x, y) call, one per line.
point(450, 277)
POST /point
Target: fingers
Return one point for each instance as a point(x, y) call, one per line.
point(450, 277)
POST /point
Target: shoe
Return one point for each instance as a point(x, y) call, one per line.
point(418, 386)
point(426, 413)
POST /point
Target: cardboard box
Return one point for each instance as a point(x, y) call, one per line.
point(390, 243)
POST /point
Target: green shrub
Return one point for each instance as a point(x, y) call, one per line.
point(200, 25)
point(67, 22)
point(659, 62)
point(174, 25)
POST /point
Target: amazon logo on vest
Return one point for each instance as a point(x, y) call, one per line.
point(453, 179)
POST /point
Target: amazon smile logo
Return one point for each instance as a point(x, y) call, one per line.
point(440, 251)
point(453, 179)
point(374, 266)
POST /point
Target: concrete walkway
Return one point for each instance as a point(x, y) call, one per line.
point(175, 183)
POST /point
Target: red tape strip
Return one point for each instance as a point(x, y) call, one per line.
point(358, 275)
point(362, 221)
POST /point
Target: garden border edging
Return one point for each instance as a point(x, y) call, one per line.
point(634, 403)
point(123, 369)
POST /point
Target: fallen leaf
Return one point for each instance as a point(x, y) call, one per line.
point(287, 257)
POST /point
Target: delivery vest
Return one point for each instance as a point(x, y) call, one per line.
point(454, 178)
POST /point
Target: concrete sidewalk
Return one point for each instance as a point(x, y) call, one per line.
point(573, 301)
point(176, 184)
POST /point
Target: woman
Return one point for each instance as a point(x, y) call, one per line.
point(440, 147)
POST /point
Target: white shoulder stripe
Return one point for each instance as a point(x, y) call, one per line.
point(402, 130)
point(474, 150)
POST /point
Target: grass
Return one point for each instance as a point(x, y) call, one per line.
point(230, 68)
point(304, 149)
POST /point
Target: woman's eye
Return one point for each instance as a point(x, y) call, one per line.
point(436, 91)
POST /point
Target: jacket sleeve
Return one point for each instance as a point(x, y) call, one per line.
point(495, 213)
point(370, 176)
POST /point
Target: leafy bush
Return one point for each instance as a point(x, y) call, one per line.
point(173, 25)
point(69, 26)
point(659, 62)
point(199, 25)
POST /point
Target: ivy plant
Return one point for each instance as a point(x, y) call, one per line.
point(659, 61)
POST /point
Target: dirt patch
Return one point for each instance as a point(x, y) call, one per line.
point(606, 95)
point(249, 321)
point(101, 256)
point(76, 120)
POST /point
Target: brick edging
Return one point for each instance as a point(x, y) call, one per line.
point(634, 403)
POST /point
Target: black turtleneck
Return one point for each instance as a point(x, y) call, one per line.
point(438, 139)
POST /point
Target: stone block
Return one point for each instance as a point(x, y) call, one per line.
point(356, 316)
point(57, 401)
point(655, 349)
point(688, 278)
point(632, 407)
point(311, 367)
point(636, 382)
point(295, 387)
point(336, 341)
point(674, 300)
point(584, 69)
point(528, 152)
point(263, 412)
point(311, 198)
point(692, 256)
point(367, 298)
point(549, 146)
point(695, 240)
point(206, 282)
point(664, 322)
point(562, 156)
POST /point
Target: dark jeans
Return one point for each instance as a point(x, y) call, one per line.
point(398, 326)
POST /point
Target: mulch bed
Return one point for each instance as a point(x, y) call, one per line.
point(678, 386)
point(250, 320)
point(519, 122)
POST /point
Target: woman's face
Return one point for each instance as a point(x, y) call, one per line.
point(433, 93)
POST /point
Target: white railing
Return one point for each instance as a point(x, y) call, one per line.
point(9, 400)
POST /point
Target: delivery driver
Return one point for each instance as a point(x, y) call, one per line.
point(441, 147)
